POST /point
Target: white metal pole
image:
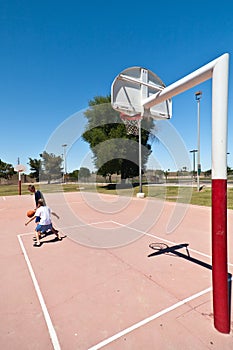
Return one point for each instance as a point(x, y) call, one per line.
point(193, 152)
point(198, 98)
point(65, 165)
point(140, 155)
point(198, 145)
point(144, 94)
point(19, 182)
point(219, 195)
point(197, 77)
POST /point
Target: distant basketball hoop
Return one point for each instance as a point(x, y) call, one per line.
point(20, 168)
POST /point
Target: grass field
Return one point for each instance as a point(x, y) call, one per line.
point(168, 193)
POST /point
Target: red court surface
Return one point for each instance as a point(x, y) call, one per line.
point(98, 288)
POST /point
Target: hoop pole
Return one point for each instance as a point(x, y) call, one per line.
point(19, 184)
point(140, 155)
point(197, 77)
point(218, 71)
point(219, 195)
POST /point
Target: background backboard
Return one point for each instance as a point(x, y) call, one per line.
point(20, 168)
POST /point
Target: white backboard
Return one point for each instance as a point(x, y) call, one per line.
point(20, 168)
point(132, 86)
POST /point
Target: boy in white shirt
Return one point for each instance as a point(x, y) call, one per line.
point(45, 223)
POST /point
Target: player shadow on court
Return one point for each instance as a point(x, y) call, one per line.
point(162, 248)
point(52, 240)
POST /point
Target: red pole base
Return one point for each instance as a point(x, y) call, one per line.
point(219, 256)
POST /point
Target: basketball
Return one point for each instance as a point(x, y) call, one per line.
point(31, 213)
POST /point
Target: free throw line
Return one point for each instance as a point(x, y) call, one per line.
point(48, 321)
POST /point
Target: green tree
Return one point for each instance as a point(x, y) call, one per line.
point(106, 135)
point(229, 171)
point(166, 173)
point(74, 174)
point(84, 173)
point(6, 170)
point(207, 173)
point(35, 167)
point(51, 166)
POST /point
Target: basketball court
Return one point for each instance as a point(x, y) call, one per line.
point(103, 286)
point(129, 273)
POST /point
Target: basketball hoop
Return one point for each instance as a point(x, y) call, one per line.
point(20, 168)
point(131, 123)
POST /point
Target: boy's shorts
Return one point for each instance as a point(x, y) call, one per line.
point(43, 227)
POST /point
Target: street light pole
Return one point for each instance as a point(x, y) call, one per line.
point(193, 152)
point(227, 162)
point(65, 165)
point(140, 156)
point(198, 95)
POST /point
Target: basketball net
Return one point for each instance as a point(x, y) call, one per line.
point(131, 123)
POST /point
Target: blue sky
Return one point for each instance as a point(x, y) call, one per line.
point(57, 55)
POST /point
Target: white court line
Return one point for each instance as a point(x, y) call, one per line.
point(125, 331)
point(134, 229)
point(88, 224)
point(149, 319)
point(165, 240)
point(74, 226)
point(48, 321)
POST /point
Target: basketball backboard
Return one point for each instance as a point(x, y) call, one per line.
point(132, 86)
point(20, 168)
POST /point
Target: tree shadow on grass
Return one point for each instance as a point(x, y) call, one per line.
point(114, 186)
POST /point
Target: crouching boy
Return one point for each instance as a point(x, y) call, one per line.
point(43, 216)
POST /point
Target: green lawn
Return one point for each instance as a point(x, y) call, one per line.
point(169, 193)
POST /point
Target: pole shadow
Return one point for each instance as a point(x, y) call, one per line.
point(162, 248)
